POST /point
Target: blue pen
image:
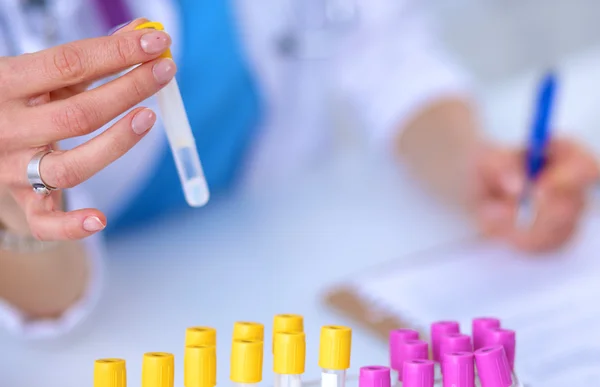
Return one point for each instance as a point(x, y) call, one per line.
point(539, 139)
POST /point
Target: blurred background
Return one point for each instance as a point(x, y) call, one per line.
point(276, 248)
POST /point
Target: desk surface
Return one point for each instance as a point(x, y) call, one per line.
point(247, 258)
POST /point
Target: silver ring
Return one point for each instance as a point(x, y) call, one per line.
point(34, 177)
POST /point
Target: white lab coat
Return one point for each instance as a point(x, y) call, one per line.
point(387, 66)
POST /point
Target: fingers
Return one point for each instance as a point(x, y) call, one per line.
point(66, 169)
point(500, 173)
point(570, 173)
point(79, 62)
point(556, 220)
point(496, 217)
point(88, 111)
point(48, 223)
point(73, 167)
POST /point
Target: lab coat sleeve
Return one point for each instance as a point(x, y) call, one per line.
point(16, 323)
point(393, 66)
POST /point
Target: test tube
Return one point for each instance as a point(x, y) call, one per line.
point(454, 342)
point(504, 337)
point(492, 367)
point(374, 376)
point(479, 327)
point(397, 338)
point(418, 373)
point(289, 358)
point(438, 330)
point(287, 323)
point(245, 330)
point(459, 369)
point(158, 369)
point(110, 373)
point(200, 366)
point(200, 336)
point(410, 350)
point(246, 362)
point(334, 355)
point(181, 138)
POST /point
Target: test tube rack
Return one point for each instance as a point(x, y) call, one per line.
point(451, 359)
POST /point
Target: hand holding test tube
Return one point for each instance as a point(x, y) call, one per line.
point(180, 137)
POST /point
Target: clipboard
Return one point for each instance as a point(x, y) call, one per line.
point(348, 301)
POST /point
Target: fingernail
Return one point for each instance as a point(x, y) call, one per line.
point(512, 184)
point(93, 224)
point(155, 42)
point(113, 30)
point(164, 70)
point(143, 121)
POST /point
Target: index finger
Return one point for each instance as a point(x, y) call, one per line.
point(79, 62)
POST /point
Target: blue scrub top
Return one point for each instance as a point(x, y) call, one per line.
point(223, 107)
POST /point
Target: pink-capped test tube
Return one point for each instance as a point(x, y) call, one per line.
point(459, 369)
point(493, 368)
point(504, 337)
point(479, 327)
point(418, 373)
point(454, 342)
point(438, 330)
point(374, 376)
point(397, 338)
point(409, 350)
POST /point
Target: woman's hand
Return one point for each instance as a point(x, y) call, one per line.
point(44, 99)
point(558, 195)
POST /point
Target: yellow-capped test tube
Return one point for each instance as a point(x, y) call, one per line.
point(246, 363)
point(158, 369)
point(200, 336)
point(334, 355)
point(245, 330)
point(287, 323)
point(180, 137)
point(110, 373)
point(200, 366)
point(289, 357)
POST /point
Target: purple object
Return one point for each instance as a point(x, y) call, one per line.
point(397, 337)
point(374, 376)
point(505, 338)
point(114, 12)
point(492, 367)
point(459, 369)
point(418, 373)
point(410, 350)
point(438, 330)
point(480, 326)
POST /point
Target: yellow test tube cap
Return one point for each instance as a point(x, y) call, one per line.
point(335, 346)
point(158, 369)
point(246, 361)
point(244, 330)
point(155, 26)
point(287, 323)
point(289, 353)
point(110, 373)
point(200, 336)
point(200, 366)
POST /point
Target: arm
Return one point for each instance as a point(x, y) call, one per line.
point(47, 292)
point(437, 144)
point(414, 97)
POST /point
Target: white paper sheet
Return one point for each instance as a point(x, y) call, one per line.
point(553, 301)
